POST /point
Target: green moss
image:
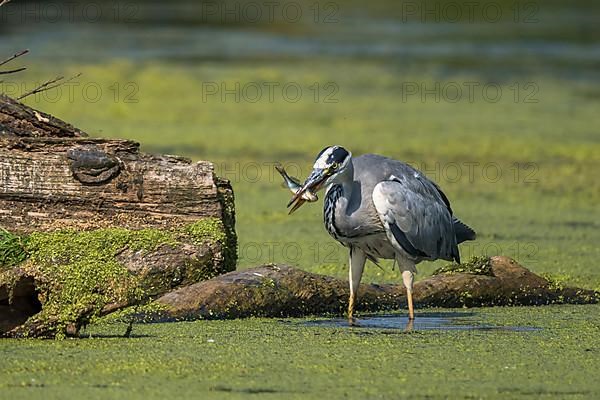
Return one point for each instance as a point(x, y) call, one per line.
point(227, 200)
point(214, 230)
point(268, 283)
point(9, 279)
point(12, 253)
point(139, 313)
point(556, 281)
point(78, 273)
point(475, 266)
point(207, 228)
point(12, 249)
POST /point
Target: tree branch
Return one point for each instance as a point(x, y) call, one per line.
point(19, 54)
point(42, 87)
point(49, 85)
point(12, 71)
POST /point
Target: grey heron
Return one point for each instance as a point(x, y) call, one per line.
point(383, 208)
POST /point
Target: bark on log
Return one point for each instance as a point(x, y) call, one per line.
point(283, 291)
point(19, 120)
point(54, 178)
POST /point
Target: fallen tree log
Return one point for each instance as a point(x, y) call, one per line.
point(53, 176)
point(283, 291)
point(96, 225)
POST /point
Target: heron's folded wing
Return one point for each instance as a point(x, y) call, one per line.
point(419, 223)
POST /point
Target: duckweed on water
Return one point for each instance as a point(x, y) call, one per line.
point(231, 359)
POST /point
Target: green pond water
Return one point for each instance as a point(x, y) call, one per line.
point(501, 112)
point(294, 359)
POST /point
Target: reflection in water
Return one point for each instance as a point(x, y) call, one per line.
point(432, 321)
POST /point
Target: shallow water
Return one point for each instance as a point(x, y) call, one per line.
point(440, 321)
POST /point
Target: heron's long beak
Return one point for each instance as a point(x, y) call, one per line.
point(312, 183)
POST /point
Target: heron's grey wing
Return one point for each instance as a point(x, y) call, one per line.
point(420, 224)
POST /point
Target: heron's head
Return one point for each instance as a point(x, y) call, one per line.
point(332, 163)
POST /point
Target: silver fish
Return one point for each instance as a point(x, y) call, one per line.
point(294, 185)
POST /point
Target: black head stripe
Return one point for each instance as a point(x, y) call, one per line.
point(338, 155)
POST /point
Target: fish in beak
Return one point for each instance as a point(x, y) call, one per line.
point(295, 186)
point(312, 185)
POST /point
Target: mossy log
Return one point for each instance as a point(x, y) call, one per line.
point(283, 291)
point(98, 225)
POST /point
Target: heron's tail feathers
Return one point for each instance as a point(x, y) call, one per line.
point(463, 231)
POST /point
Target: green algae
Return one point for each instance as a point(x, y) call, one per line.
point(287, 359)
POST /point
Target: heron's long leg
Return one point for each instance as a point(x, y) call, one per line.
point(357, 265)
point(407, 277)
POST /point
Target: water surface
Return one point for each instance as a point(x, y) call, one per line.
point(430, 321)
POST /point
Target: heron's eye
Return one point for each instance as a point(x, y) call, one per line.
point(334, 166)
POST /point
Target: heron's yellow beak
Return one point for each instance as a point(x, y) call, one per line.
point(314, 183)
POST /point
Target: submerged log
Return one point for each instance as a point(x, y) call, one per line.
point(137, 225)
point(283, 291)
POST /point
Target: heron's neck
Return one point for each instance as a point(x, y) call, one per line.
point(345, 180)
point(336, 204)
